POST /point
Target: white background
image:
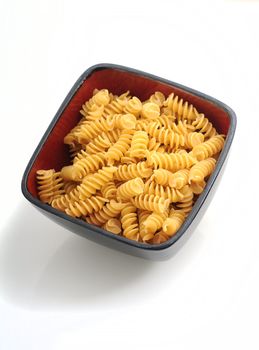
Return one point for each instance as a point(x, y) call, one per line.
point(59, 291)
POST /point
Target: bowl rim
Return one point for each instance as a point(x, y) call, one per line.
point(199, 202)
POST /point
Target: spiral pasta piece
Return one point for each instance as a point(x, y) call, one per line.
point(113, 225)
point(109, 190)
point(171, 161)
point(204, 126)
point(179, 179)
point(117, 150)
point(69, 186)
point(130, 189)
point(150, 110)
point(153, 145)
point(129, 222)
point(163, 177)
point(117, 105)
point(142, 216)
point(83, 166)
point(151, 203)
point(152, 224)
point(157, 98)
point(100, 98)
point(186, 203)
point(183, 110)
point(112, 135)
point(174, 222)
point(201, 170)
point(95, 182)
point(197, 187)
point(131, 171)
point(160, 237)
point(139, 144)
point(89, 130)
point(124, 121)
point(193, 139)
point(172, 194)
point(99, 144)
point(165, 136)
point(208, 148)
point(109, 211)
point(62, 202)
point(134, 106)
point(86, 207)
point(50, 185)
point(141, 124)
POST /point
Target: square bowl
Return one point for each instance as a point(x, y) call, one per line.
point(52, 153)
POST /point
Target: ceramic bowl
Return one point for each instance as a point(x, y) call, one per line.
point(52, 153)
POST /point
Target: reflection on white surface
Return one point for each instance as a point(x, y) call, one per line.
point(45, 266)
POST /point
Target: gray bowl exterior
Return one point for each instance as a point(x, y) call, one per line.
point(153, 252)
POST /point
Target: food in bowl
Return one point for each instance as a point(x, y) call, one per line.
point(137, 167)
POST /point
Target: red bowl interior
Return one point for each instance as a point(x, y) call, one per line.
point(54, 153)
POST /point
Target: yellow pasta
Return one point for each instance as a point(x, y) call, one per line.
point(208, 148)
point(83, 166)
point(89, 130)
point(109, 211)
point(117, 105)
point(182, 109)
point(113, 225)
point(204, 126)
point(99, 144)
point(50, 185)
point(193, 139)
point(153, 223)
point(95, 182)
point(124, 121)
point(171, 161)
point(165, 136)
point(129, 222)
point(136, 167)
point(163, 177)
point(173, 222)
point(142, 216)
point(179, 179)
point(201, 170)
point(166, 192)
point(134, 106)
point(130, 189)
point(119, 148)
point(86, 207)
point(150, 110)
point(157, 98)
point(109, 190)
point(126, 172)
point(151, 203)
point(139, 144)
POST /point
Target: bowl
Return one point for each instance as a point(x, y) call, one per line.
point(52, 153)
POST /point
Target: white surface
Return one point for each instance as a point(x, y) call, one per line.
point(59, 291)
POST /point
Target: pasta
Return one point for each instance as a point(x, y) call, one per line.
point(174, 222)
point(129, 222)
point(130, 189)
point(201, 170)
point(139, 144)
point(136, 167)
point(208, 148)
point(113, 225)
point(49, 185)
point(131, 171)
point(153, 223)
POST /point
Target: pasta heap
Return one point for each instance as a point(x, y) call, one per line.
point(137, 168)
